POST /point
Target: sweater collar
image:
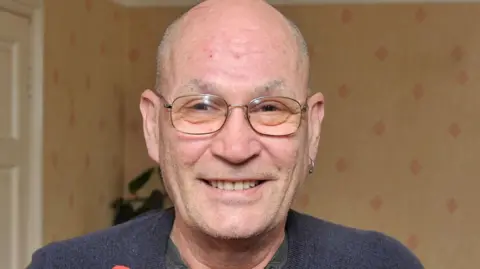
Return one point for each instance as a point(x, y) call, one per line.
point(159, 236)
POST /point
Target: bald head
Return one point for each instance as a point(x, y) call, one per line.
point(212, 16)
point(233, 78)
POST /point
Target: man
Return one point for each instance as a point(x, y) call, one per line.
point(235, 130)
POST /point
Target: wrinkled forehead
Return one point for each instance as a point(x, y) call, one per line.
point(233, 58)
point(276, 87)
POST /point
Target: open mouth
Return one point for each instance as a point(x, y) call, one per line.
point(234, 185)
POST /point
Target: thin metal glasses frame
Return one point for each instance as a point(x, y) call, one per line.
point(302, 109)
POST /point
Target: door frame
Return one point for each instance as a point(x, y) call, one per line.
point(33, 10)
point(35, 225)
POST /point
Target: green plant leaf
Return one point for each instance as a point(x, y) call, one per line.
point(138, 182)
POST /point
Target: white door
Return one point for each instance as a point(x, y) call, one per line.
point(15, 132)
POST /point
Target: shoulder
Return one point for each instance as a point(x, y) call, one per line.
point(355, 248)
point(100, 249)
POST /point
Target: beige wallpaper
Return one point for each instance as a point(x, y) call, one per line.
point(400, 143)
point(146, 26)
point(400, 140)
point(85, 56)
point(401, 137)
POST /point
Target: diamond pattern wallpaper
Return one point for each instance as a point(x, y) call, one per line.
point(400, 141)
point(85, 56)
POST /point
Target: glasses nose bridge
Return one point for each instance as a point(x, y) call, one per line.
point(242, 106)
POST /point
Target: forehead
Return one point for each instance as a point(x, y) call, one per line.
point(270, 88)
point(246, 59)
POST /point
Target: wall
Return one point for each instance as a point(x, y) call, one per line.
point(400, 140)
point(85, 65)
point(146, 27)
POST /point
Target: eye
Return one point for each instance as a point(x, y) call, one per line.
point(268, 106)
point(203, 105)
point(200, 106)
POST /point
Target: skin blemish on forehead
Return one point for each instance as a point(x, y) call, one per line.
point(208, 51)
point(235, 43)
point(240, 49)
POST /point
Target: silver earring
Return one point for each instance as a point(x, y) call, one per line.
point(310, 166)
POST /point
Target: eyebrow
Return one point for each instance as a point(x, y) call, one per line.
point(270, 87)
point(197, 85)
point(203, 87)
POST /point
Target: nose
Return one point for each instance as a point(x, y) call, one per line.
point(236, 143)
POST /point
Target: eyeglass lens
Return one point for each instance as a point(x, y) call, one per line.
point(203, 114)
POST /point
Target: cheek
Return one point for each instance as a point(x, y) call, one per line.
point(187, 151)
point(284, 151)
point(179, 151)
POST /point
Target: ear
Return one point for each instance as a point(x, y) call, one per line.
point(149, 108)
point(315, 118)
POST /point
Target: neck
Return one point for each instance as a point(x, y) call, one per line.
point(201, 251)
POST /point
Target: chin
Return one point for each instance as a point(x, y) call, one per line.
point(240, 224)
point(234, 230)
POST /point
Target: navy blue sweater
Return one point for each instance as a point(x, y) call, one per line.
point(312, 244)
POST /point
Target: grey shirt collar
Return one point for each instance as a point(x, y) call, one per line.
point(174, 260)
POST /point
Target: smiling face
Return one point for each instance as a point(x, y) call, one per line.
point(236, 52)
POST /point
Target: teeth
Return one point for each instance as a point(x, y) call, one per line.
point(237, 186)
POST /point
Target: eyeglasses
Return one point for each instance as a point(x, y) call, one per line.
point(205, 114)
